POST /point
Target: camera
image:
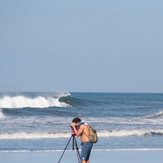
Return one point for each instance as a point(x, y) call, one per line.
point(72, 131)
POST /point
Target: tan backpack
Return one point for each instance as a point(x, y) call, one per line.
point(93, 137)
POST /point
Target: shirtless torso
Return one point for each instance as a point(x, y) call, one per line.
point(84, 132)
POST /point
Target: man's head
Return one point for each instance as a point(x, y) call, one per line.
point(76, 121)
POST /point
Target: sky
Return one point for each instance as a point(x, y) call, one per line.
point(81, 45)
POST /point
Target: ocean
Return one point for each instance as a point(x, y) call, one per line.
point(36, 121)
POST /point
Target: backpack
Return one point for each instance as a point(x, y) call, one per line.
point(93, 137)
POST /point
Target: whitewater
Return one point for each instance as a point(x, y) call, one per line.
point(104, 134)
point(41, 120)
point(40, 101)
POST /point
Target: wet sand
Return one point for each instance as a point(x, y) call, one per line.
point(105, 156)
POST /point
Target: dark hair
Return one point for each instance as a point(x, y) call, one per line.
point(76, 120)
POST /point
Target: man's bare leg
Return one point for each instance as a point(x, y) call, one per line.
point(84, 161)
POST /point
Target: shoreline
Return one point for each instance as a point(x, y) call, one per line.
point(94, 150)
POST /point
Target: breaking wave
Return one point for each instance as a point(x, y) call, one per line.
point(123, 133)
point(37, 101)
point(155, 115)
point(54, 135)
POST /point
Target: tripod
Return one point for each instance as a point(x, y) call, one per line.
point(74, 146)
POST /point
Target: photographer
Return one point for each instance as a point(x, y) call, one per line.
point(81, 130)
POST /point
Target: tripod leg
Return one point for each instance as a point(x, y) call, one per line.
point(65, 149)
point(77, 151)
point(73, 141)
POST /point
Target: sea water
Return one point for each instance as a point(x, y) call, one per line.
point(39, 121)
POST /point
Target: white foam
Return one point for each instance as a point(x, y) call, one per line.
point(122, 133)
point(21, 101)
point(54, 135)
point(33, 135)
point(126, 121)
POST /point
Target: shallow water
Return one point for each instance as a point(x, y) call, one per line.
point(40, 121)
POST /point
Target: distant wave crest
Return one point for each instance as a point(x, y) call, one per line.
point(40, 101)
point(53, 135)
point(123, 133)
point(34, 135)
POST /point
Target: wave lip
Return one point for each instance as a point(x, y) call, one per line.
point(156, 115)
point(40, 101)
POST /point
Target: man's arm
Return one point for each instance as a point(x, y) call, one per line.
point(78, 132)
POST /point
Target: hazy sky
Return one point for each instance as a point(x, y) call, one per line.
point(81, 45)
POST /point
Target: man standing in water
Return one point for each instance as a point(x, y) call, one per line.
point(82, 130)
